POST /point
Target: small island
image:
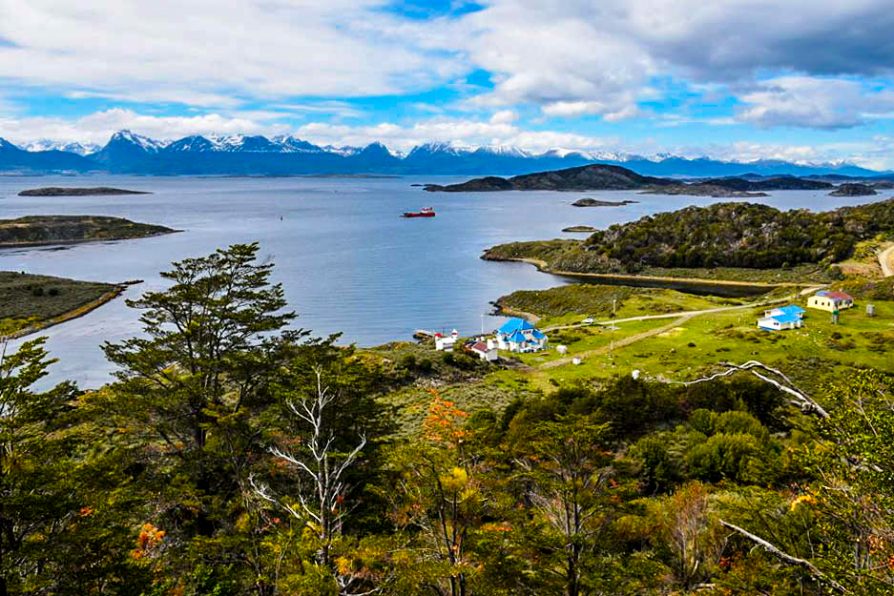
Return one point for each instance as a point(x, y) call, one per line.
point(703, 190)
point(58, 191)
point(853, 190)
point(45, 230)
point(580, 229)
point(588, 202)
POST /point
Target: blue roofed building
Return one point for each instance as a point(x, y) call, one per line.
point(780, 319)
point(519, 335)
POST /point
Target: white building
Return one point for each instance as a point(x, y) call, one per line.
point(486, 351)
point(518, 335)
point(830, 301)
point(445, 343)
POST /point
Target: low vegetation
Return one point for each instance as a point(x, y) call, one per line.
point(27, 300)
point(64, 229)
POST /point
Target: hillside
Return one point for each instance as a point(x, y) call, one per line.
point(64, 229)
point(738, 235)
point(609, 177)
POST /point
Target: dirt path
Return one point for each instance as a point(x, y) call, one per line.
point(692, 313)
point(886, 260)
point(625, 341)
point(680, 318)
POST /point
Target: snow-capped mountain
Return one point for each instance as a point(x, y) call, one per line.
point(128, 152)
point(66, 146)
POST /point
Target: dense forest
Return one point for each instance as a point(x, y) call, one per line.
point(236, 455)
point(741, 235)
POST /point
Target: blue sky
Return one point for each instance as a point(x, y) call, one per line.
point(732, 79)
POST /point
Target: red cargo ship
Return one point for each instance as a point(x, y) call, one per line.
point(425, 212)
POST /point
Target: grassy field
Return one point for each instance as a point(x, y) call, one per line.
point(27, 300)
point(569, 304)
point(675, 347)
point(685, 348)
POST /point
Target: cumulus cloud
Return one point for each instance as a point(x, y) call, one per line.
point(577, 57)
point(98, 127)
point(815, 103)
point(211, 52)
point(500, 129)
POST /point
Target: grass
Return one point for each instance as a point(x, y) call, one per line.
point(810, 354)
point(61, 229)
point(569, 304)
point(27, 300)
point(671, 348)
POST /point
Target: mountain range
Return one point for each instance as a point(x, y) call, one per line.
point(130, 153)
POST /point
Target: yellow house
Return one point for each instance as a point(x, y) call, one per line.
point(830, 301)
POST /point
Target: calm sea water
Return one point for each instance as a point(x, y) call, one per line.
point(348, 262)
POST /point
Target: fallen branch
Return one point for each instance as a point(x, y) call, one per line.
point(785, 557)
point(799, 398)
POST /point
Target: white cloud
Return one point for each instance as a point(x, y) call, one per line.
point(211, 52)
point(99, 126)
point(814, 103)
point(500, 129)
point(579, 57)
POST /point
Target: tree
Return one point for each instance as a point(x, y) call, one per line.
point(438, 501)
point(191, 391)
point(568, 469)
point(320, 500)
point(36, 502)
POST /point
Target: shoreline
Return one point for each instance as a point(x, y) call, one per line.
point(63, 243)
point(543, 267)
point(75, 313)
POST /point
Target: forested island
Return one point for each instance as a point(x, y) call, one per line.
point(608, 177)
point(57, 191)
point(40, 230)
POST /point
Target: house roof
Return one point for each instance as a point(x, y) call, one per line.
point(792, 309)
point(513, 325)
point(478, 346)
point(538, 334)
point(835, 295)
point(786, 318)
point(518, 337)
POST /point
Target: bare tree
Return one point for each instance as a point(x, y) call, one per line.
point(321, 489)
point(765, 374)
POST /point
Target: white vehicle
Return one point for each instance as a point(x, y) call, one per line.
point(588, 321)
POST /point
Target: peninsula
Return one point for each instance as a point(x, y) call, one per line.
point(58, 191)
point(738, 236)
point(43, 230)
point(29, 303)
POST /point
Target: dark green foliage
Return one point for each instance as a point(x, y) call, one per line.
point(741, 235)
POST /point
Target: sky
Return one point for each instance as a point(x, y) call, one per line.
point(801, 80)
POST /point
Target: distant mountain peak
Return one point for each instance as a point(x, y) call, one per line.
point(145, 143)
point(66, 146)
